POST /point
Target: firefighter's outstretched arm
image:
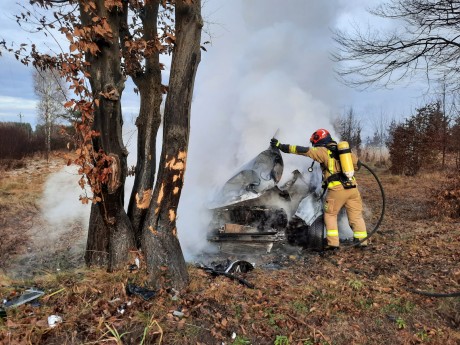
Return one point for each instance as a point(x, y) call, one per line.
point(286, 148)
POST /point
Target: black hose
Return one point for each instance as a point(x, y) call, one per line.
point(382, 213)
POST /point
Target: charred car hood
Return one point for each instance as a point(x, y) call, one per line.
point(252, 180)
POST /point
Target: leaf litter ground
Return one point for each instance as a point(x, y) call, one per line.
point(347, 297)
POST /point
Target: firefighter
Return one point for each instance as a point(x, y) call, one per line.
point(341, 190)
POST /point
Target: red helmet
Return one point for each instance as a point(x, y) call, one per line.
point(320, 137)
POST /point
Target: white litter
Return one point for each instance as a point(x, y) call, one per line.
point(53, 320)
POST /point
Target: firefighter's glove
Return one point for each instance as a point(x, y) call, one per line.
point(276, 144)
point(359, 165)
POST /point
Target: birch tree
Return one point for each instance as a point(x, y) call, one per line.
point(51, 92)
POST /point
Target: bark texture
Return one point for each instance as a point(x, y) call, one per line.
point(159, 237)
point(110, 235)
point(148, 82)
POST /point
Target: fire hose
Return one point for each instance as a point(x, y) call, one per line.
point(382, 213)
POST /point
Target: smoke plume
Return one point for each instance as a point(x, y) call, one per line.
point(268, 68)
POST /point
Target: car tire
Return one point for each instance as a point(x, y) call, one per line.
point(315, 234)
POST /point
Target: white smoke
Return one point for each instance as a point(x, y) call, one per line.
point(60, 201)
point(61, 208)
point(268, 68)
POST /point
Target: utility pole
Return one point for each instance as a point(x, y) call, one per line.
point(20, 117)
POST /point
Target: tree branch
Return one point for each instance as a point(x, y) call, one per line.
point(431, 37)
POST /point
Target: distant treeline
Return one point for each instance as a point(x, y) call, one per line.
point(427, 139)
point(18, 140)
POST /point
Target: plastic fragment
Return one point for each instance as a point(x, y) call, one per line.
point(178, 313)
point(54, 320)
point(144, 293)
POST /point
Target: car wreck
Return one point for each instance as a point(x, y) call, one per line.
point(253, 211)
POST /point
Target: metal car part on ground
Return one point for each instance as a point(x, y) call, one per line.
point(28, 296)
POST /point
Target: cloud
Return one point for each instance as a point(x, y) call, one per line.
point(12, 107)
point(17, 102)
point(16, 91)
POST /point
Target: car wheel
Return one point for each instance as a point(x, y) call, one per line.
point(315, 234)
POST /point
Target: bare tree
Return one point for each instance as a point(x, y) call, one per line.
point(427, 41)
point(349, 128)
point(455, 142)
point(380, 125)
point(51, 90)
point(446, 110)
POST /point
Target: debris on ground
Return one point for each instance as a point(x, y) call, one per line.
point(54, 320)
point(144, 293)
point(239, 266)
point(28, 296)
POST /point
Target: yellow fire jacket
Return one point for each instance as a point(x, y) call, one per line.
point(323, 155)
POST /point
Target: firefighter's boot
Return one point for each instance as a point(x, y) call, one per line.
point(361, 244)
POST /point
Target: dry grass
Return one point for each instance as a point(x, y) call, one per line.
point(323, 302)
point(20, 190)
point(21, 186)
point(349, 297)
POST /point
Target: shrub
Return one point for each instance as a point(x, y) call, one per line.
point(15, 140)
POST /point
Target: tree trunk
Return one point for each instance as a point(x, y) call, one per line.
point(159, 237)
point(110, 235)
point(48, 137)
point(147, 123)
point(149, 84)
point(47, 127)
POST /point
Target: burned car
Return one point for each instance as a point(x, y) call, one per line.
point(252, 209)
